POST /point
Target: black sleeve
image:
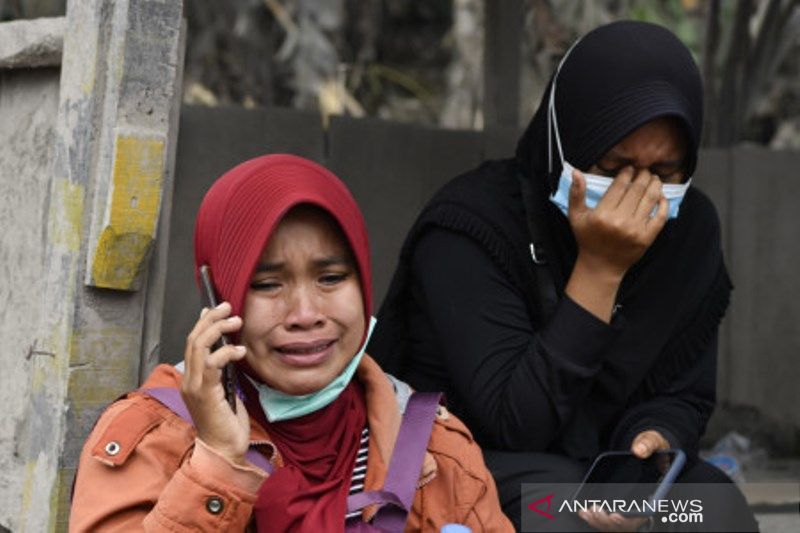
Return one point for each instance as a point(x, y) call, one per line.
point(680, 412)
point(517, 381)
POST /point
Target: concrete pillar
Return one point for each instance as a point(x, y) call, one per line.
point(28, 106)
point(111, 183)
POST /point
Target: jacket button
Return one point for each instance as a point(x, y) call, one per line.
point(112, 448)
point(214, 505)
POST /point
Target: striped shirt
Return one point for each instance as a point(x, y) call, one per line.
point(359, 470)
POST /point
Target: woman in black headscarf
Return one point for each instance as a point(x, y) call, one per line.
point(566, 313)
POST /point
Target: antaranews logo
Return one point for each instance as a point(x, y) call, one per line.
point(535, 506)
point(672, 511)
point(690, 506)
point(555, 507)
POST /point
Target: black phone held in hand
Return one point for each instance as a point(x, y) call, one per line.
point(210, 301)
point(621, 475)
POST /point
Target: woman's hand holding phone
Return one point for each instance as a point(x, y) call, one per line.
point(649, 442)
point(643, 446)
point(202, 389)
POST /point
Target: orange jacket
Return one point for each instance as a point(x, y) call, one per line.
point(142, 468)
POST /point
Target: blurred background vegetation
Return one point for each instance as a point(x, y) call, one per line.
point(421, 61)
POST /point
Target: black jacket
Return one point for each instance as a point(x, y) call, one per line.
point(461, 316)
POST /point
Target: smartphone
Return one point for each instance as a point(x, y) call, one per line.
point(620, 475)
point(210, 301)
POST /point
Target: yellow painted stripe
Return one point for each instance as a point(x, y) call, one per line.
point(125, 242)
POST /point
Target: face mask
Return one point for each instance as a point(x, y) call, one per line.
point(596, 186)
point(279, 406)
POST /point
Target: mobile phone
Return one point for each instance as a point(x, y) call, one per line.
point(620, 475)
point(210, 301)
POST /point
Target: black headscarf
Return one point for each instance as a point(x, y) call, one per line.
point(612, 81)
point(615, 79)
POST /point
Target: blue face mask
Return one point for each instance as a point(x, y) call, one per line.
point(596, 186)
point(279, 406)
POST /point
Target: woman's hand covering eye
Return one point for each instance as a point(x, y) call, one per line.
point(614, 235)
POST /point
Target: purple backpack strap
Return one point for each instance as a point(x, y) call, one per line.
point(405, 465)
point(172, 400)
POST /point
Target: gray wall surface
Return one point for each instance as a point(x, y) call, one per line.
point(763, 356)
point(392, 169)
point(756, 192)
point(28, 106)
point(86, 152)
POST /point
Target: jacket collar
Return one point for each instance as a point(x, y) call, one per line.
point(383, 417)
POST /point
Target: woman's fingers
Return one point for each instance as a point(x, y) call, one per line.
point(207, 318)
point(634, 193)
point(649, 201)
point(591, 518)
point(626, 523)
point(599, 520)
point(642, 196)
point(655, 223)
point(215, 361)
point(616, 191)
point(644, 446)
point(577, 195)
point(208, 329)
point(616, 234)
point(202, 389)
point(211, 375)
point(192, 356)
point(213, 332)
point(648, 442)
point(603, 521)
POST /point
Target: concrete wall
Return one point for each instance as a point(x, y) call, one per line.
point(86, 153)
point(28, 106)
point(757, 192)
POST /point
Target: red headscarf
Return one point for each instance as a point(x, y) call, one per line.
point(243, 207)
point(236, 219)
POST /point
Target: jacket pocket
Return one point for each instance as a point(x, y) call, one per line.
point(125, 430)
